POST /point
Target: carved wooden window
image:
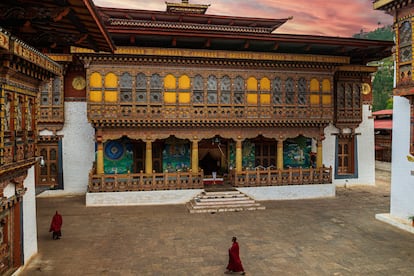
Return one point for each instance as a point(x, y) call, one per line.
point(290, 91)
point(47, 175)
point(30, 115)
point(56, 91)
point(211, 90)
point(405, 51)
point(345, 155)
point(314, 92)
point(19, 114)
point(265, 91)
point(155, 88)
point(277, 95)
point(225, 90)
point(125, 84)
point(239, 90)
point(265, 154)
point(302, 92)
point(141, 88)
point(44, 94)
point(8, 103)
point(198, 90)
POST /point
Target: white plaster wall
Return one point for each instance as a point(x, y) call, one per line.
point(29, 217)
point(141, 198)
point(402, 181)
point(366, 148)
point(78, 148)
point(289, 192)
point(366, 151)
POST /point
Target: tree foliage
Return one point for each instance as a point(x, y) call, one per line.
point(383, 79)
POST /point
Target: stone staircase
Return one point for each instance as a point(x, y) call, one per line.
point(222, 201)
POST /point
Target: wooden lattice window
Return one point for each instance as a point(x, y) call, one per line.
point(265, 154)
point(47, 175)
point(198, 90)
point(302, 92)
point(225, 90)
point(290, 91)
point(345, 155)
point(212, 89)
point(126, 87)
point(405, 51)
point(141, 88)
point(277, 91)
point(155, 88)
point(239, 89)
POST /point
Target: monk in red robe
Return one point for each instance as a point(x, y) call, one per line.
point(55, 226)
point(235, 264)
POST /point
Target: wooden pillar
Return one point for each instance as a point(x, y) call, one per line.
point(194, 156)
point(99, 155)
point(280, 154)
point(239, 156)
point(148, 156)
point(319, 161)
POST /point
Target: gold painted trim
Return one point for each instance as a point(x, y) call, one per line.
point(357, 68)
point(380, 3)
point(57, 57)
point(221, 54)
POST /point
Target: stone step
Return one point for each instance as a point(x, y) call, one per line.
point(222, 201)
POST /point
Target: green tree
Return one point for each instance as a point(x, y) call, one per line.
point(383, 84)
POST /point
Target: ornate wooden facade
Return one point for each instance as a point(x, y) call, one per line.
point(194, 78)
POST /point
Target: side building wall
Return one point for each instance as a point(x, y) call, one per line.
point(29, 217)
point(402, 179)
point(365, 159)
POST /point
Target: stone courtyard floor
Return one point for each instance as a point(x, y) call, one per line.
point(330, 236)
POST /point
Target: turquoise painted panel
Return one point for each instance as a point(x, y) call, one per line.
point(296, 152)
point(118, 156)
point(176, 157)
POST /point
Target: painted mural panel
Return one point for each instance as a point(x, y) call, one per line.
point(176, 157)
point(118, 157)
point(248, 155)
point(296, 152)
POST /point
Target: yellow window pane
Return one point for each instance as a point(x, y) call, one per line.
point(326, 86)
point(265, 98)
point(169, 82)
point(326, 99)
point(111, 80)
point(95, 80)
point(314, 85)
point(111, 96)
point(252, 84)
point(314, 99)
point(170, 97)
point(265, 84)
point(252, 98)
point(184, 82)
point(184, 97)
point(95, 96)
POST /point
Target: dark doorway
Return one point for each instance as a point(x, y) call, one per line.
point(209, 164)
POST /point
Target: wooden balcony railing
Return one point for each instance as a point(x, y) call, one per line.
point(98, 112)
point(291, 176)
point(188, 180)
point(145, 182)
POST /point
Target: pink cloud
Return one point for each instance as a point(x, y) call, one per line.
point(316, 17)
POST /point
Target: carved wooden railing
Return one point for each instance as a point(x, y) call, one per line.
point(291, 176)
point(4, 257)
point(144, 182)
point(100, 111)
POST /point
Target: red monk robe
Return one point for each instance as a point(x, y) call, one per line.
point(235, 264)
point(56, 225)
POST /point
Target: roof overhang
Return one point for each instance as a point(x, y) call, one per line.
point(54, 26)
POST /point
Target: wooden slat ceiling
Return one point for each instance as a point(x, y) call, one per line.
point(55, 25)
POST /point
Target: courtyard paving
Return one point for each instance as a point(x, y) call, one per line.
point(330, 236)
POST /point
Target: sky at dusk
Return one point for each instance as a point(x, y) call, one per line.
point(311, 17)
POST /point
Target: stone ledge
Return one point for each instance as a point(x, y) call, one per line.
point(400, 223)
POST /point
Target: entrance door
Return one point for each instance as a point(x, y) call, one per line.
point(48, 175)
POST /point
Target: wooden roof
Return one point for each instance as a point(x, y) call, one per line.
point(143, 28)
point(55, 25)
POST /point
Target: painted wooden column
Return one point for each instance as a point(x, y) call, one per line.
point(148, 156)
point(280, 154)
point(319, 152)
point(239, 156)
point(99, 154)
point(194, 156)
